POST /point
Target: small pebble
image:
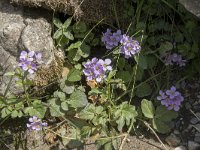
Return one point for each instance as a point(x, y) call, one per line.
point(194, 120)
point(173, 140)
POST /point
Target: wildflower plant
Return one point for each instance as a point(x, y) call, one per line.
point(108, 90)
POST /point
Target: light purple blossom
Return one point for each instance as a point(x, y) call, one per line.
point(35, 124)
point(175, 59)
point(110, 39)
point(97, 69)
point(29, 61)
point(171, 98)
point(129, 46)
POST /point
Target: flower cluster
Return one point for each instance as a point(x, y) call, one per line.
point(171, 98)
point(96, 69)
point(35, 124)
point(111, 39)
point(175, 59)
point(129, 46)
point(29, 60)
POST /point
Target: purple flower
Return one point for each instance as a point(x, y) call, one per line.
point(171, 98)
point(97, 69)
point(129, 46)
point(172, 93)
point(38, 58)
point(175, 59)
point(162, 96)
point(29, 66)
point(110, 39)
point(35, 124)
point(29, 61)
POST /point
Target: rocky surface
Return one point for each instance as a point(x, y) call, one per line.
point(22, 29)
point(87, 10)
point(192, 5)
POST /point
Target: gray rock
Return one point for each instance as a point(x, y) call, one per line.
point(193, 145)
point(21, 30)
point(173, 140)
point(197, 127)
point(180, 148)
point(192, 5)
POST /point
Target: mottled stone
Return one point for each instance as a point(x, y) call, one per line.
point(193, 145)
point(192, 5)
point(22, 29)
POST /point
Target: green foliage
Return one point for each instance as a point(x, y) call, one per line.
point(124, 114)
point(106, 109)
point(160, 117)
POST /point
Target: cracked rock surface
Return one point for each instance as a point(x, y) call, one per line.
point(22, 29)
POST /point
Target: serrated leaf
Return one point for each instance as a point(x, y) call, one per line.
point(147, 108)
point(143, 90)
point(124, 114)
point(78, 99)
point(74, 75)
point(160, 126)
point(162, 113)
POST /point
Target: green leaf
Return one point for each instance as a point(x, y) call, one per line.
point(57, 22)
point(55, 108)
point(124, 114)
point(151, 61)
point(88, 112)
point(67, 23)
point(14, 114)
point(124, 75)
point(160, 126)
point(68, 35)
point(64, 106)
point(121, 63)
point(147, 108)
point(144, 90)
point(36, 110)
point(164, 47)
point(84, 50)
point(74, 75)
point(141, 60)
point(74, 46)
point(60, 95)
point(78, 99)
point(163, 114)
point(68, 89)
point(79, 27)
point(57, 34)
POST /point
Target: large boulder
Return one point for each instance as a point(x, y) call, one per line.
point(192, 5)
point(22, 29)
point(87, 10)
